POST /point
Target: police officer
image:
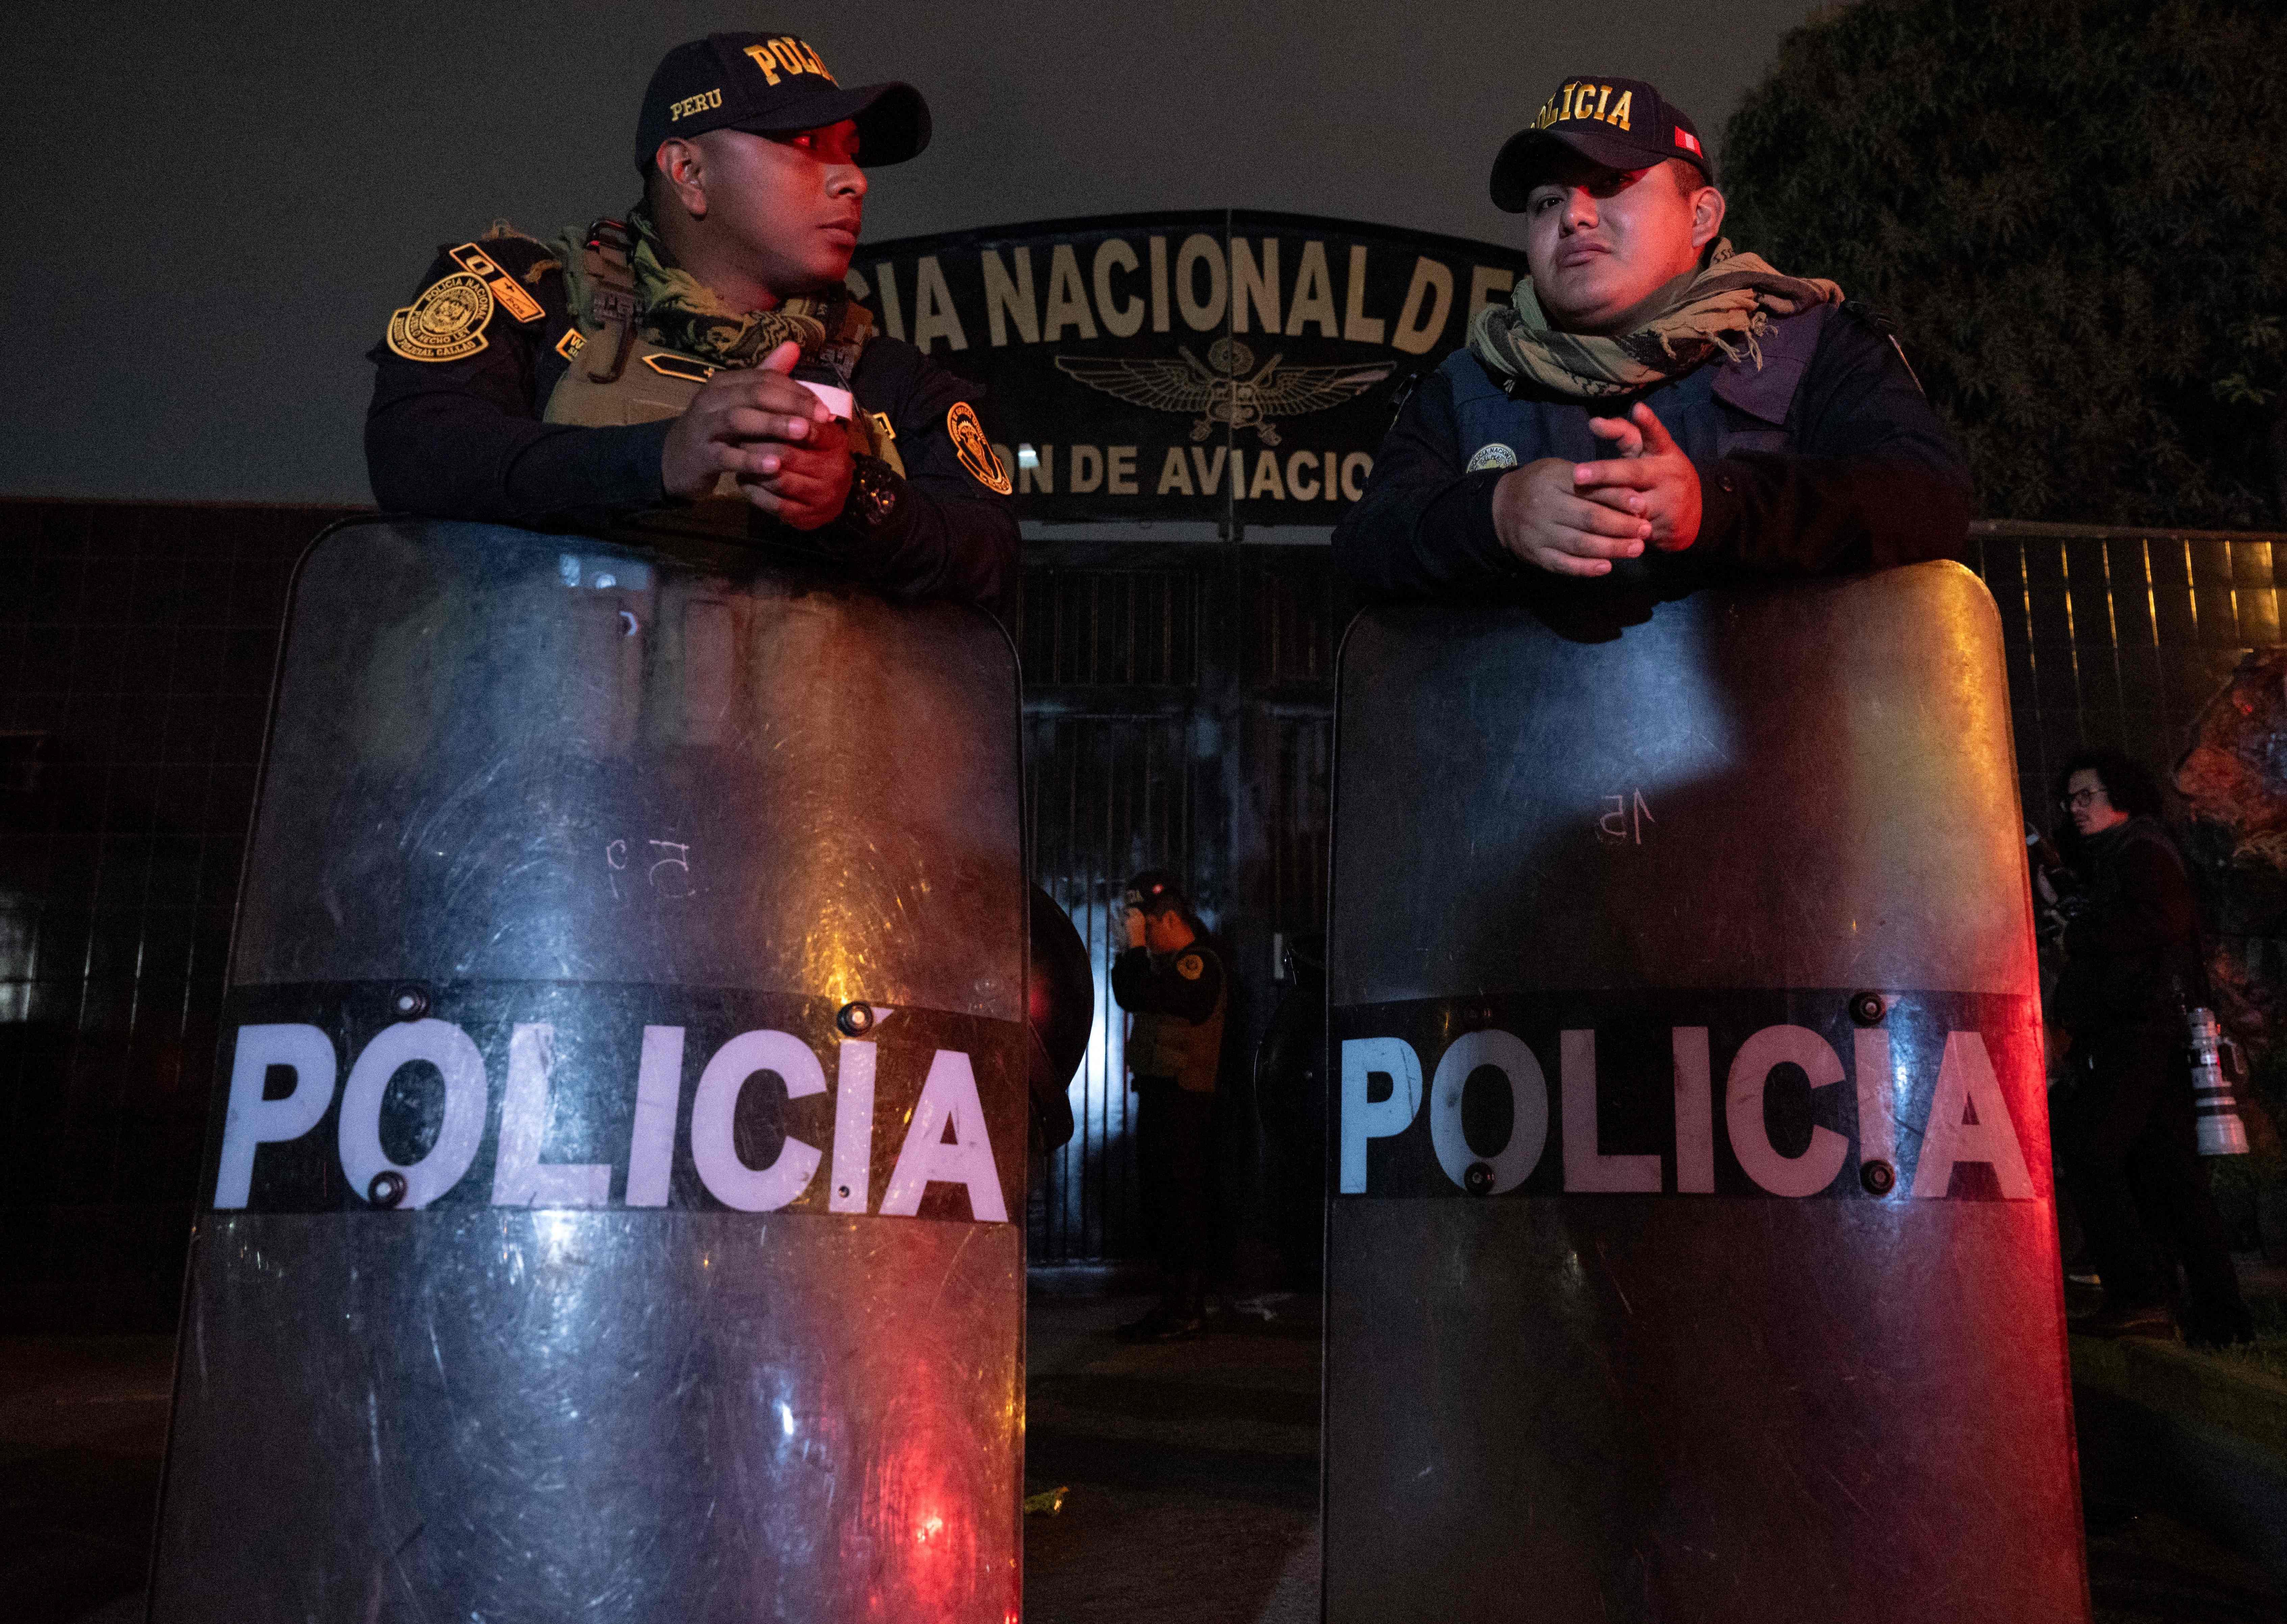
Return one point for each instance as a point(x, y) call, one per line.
point(1171, 982)
point(1651, 400)
point(700, 364)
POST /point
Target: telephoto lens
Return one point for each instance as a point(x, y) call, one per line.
point(2215, 1111)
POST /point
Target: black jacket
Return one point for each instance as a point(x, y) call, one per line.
point(2132, 954)
point(463, 439)
point(1186, 984)
point(1823, 459)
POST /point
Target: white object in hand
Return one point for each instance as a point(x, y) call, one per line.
point(837, 400)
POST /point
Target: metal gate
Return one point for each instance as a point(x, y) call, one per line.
point(1178, 715)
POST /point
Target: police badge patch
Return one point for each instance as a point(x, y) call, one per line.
point(976, 452)
point(446, 322)
point(1190, 967)
point(1493, 455)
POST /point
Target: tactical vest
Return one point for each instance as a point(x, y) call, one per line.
point(1711, 411)
point(617, 376)
point(1189, 1051)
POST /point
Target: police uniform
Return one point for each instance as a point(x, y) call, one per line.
point(1814, 448)
point(1177, 1001)
point(524, 385)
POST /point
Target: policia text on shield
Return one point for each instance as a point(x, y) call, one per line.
point(609, 1208)
point(1690, 1244)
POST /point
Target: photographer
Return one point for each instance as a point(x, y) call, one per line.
point(1171, 983)
point(2123, 1125)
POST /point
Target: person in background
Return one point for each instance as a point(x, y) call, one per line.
point(1651, 405)
point(2124, 1129)
point(1172, 983)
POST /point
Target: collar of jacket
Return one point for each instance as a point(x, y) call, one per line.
point(1787, 345)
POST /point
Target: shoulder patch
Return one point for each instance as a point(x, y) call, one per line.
point(976, 452)
point(497, 282)
point(1190, 967)
point(572, 342)
point(446, 323)
point(1493, 455)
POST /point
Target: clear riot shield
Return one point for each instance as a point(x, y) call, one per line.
point(610, 1205)
point(1690, 1249)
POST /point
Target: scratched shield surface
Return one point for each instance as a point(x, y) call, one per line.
point(1691, 1247)
point(608, 1206)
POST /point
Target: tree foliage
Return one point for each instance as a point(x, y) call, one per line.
point(2078, 216)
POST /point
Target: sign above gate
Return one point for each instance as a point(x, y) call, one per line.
point(1214, 364)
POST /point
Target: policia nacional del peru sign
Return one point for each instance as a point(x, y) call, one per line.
point(1224, 365)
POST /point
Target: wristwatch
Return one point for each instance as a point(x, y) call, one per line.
point(875, 493)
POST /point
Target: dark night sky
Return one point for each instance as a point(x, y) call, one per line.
point(219, 205)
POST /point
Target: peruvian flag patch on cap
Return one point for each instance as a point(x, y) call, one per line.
point(1688, 141)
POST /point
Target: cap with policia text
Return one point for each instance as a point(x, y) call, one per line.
point(772, 85)
point(1620, 124)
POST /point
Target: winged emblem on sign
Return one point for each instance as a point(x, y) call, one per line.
point(1223, 388)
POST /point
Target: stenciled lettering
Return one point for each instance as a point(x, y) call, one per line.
point(713, 1113)
point(1773, 1047)
point(455, 1055)
point(1009, 298)
point(1587, 1167)
point(250, 1120)
point(1969, 1121)
point(520, 1177)
point(946, 1144)
point(1527, 1136)
point(283, 1077)
point(1364, 1117)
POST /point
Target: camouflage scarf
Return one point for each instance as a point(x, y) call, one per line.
point(682, 313)
point(1725, 307)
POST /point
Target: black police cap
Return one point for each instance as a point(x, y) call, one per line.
point(772, 85)
point(1620, 124)
point(1155, 892)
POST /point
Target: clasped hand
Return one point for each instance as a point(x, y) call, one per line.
point(790, 456)
point(1574, 519)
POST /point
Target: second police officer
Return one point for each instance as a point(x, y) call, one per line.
point(1650, 402)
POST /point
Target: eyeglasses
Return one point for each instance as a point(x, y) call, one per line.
point(2079, 798)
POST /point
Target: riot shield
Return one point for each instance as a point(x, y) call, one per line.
point(621, 1108)
point(1691, 1250)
